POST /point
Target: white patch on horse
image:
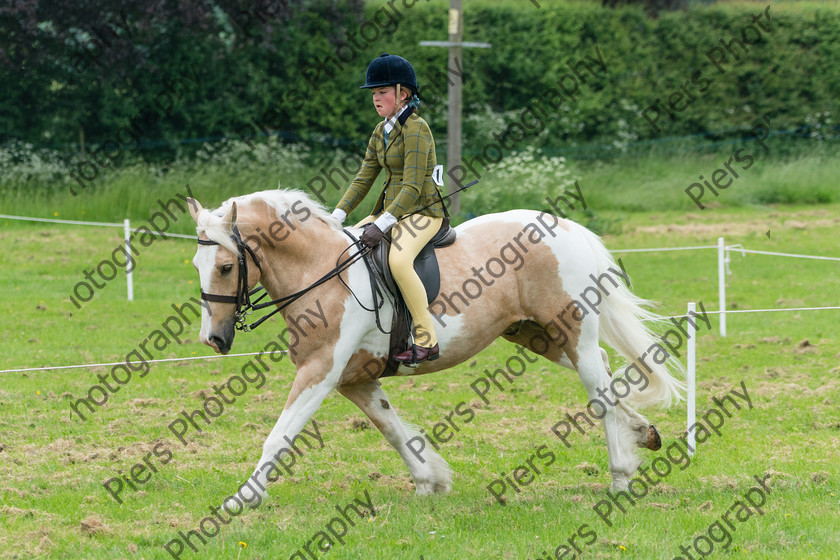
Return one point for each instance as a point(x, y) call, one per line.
point(356, 323)
point(204, 261)
point(445, 335)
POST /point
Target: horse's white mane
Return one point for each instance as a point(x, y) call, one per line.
point(210, 222)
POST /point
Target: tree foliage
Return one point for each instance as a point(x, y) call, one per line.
point(72, 70)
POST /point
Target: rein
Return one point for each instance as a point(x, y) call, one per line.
point(245, 306)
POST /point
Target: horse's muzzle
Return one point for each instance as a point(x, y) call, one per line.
point(220, 340)
point(220, 344)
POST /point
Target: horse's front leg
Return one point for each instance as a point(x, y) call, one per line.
point(429, 470)
point(310, 388)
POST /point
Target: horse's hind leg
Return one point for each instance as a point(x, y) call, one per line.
point(624, 428)
point(618, 426)
point(643, 431)
point(430, 472)
point(526, 333)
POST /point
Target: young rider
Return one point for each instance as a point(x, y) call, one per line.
point(403, 146)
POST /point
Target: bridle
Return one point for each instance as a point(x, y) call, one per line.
point(242, 299)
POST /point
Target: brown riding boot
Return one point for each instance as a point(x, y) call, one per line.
point(417, 354)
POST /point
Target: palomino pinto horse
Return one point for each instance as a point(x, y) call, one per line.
point(550, 262)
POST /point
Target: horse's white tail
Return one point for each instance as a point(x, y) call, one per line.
point(622, 326)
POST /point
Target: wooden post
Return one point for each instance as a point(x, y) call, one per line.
point(453, 126)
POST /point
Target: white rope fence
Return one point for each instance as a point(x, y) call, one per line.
point(180, 235)
point(100, 224)
point(741, 250)
point(691, 365)
point(211, 357)
point(690, 313)
point(663, 249)
point(126, 225)
point(771, 310)
point(723, 270)
point(73, 222)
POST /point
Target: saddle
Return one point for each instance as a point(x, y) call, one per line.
point(426, 266)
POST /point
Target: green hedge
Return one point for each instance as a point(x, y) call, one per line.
point(281, 83)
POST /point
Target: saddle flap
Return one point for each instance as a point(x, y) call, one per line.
point(427, 268)
point(425, 264)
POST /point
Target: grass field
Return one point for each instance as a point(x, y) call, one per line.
point(53, 465)
point(791, 172)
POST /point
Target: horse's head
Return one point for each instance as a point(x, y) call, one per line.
point(227, 270)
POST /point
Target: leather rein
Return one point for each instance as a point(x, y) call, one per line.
point(242, 299)
point(245, 305)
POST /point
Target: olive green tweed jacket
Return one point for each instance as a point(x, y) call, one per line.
point(408, 161)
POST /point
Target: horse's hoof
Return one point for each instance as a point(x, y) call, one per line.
point(654, 442)
point(620, 483)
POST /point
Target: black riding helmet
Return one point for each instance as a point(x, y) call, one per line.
point(390, 70)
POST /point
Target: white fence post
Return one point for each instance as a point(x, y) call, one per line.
point(690, 382)
point(722, 284)
point(129, 262)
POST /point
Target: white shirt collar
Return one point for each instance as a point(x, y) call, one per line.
point(389, 123)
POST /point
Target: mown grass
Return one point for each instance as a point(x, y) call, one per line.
point(52, 464)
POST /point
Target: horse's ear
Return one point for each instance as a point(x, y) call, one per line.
point(195, 208)
point(230, 218)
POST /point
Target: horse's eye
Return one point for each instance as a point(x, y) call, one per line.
point(226, 269)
